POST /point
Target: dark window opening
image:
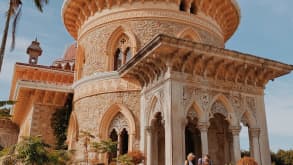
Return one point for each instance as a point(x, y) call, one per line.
point(118, 59)
point(114, 138)
point(123, 146)
point(193, 8)
point(182, 6)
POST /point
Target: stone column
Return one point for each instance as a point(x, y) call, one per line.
point(119, 144)
point(235, 130)
point(131, 142)
point(254, 133)
point(203, 127)
point(149, 144)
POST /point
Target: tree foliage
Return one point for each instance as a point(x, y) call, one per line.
point(105, 146)
point(60, 121)
point(33, 150)
point(5, 108)
point(282, 157)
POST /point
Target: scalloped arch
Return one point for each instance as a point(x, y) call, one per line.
point(228, 107)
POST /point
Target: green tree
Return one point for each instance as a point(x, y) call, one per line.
point(60, 121)
point(33, 151)
point(125, 160)
point(7, 156)
point(105, 146)
point(4, 108)
point(86, 142)
point(13, 12)
point(59, 157)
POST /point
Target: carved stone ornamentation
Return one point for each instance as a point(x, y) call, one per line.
point(119, 123)
point(251, 105)
point(218, 107)
point(192, 114)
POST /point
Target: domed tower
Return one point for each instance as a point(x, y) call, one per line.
point(34, 51)
point(154, 76)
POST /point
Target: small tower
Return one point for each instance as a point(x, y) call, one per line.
point(34, 51)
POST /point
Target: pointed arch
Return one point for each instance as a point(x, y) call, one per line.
point(189, 34)
point(195, 106)
point(73, 130)
point(230, 116)
point(109, 115)
point(248, 119)
point(112, 43)
point(155, 106)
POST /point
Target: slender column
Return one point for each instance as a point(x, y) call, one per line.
point(119, 144)
point(255, 132)
point(131, 142)
point(149, 144)
point(235, 130)
point(203, 127)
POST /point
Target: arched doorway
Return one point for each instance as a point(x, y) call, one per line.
point(158, 140)
point(220, 140)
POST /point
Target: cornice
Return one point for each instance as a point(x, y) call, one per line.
point(164, 54)
point(75, 13)
point(96, 76)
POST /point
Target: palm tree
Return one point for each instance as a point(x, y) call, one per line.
point(14, 11)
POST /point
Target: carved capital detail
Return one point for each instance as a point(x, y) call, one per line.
point(254, 132)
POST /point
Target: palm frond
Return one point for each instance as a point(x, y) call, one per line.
point(40, 4)
point(6, 102)
point(14, 25)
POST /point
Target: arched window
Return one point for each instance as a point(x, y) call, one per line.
point(119, 132)
point(123, 52)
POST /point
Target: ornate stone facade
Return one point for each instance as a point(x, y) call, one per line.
point(180, 91)
point(153, 76)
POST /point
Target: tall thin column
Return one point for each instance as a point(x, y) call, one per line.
point(149, 144)
point(236, 142)
point(203, 127)
point(255, 132)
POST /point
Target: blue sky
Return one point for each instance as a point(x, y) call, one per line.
point(266, 30)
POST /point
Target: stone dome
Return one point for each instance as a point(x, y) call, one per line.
point(70, 53)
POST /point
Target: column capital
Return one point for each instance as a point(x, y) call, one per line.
point(148, 129)
point(203, 126)
point(235, 130)
point(254, 132)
